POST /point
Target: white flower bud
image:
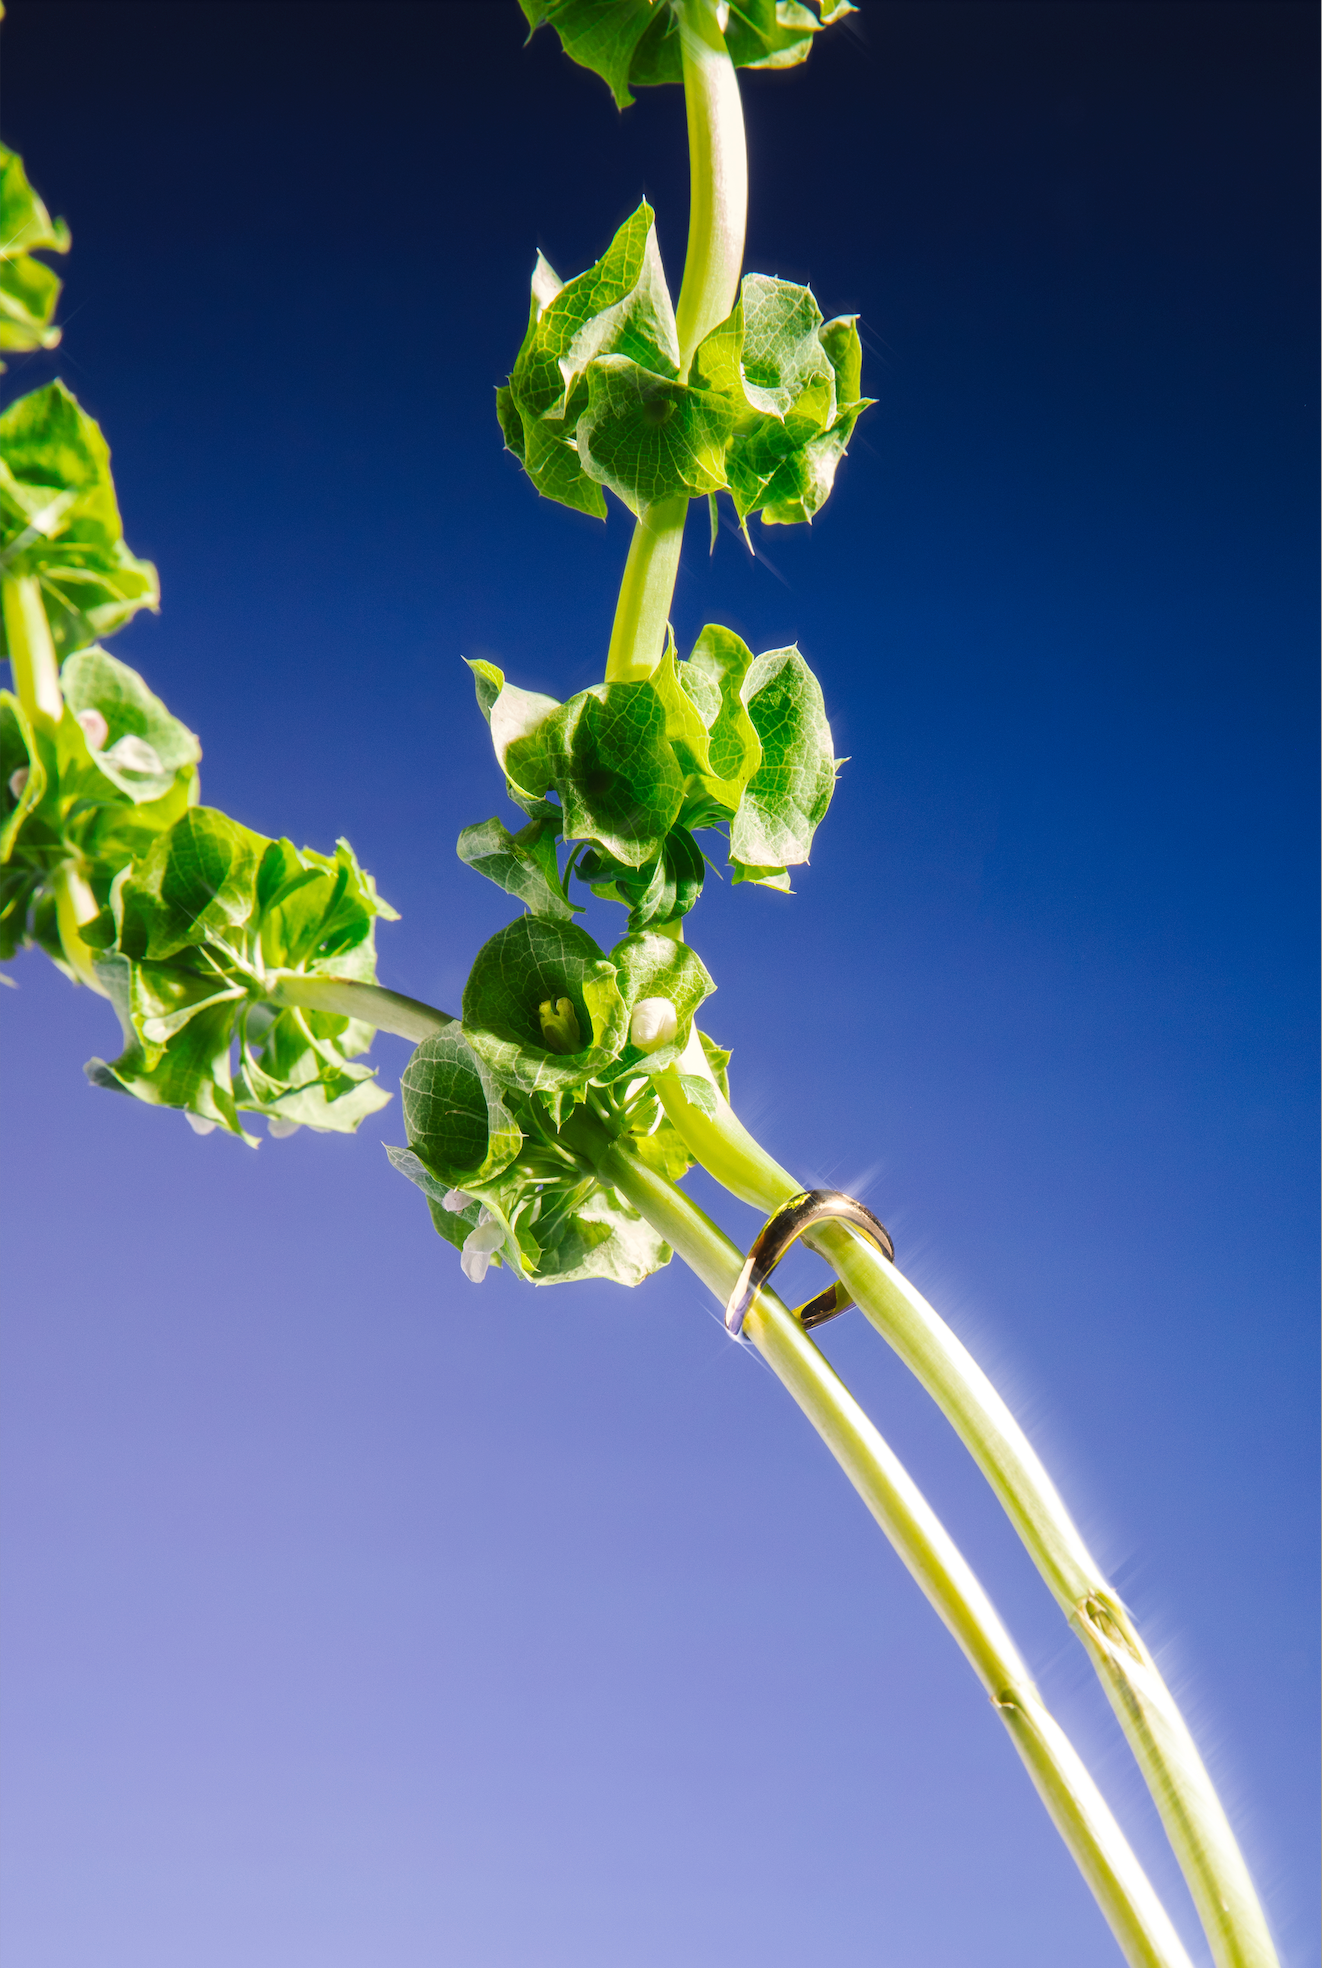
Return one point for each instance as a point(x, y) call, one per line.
point(131, 754)
point(94, 728)
point(455, 1200)
point(654, 1023)
point(18, 779)
point(480, 1246)
point(281, 1130)
point(199, 1125)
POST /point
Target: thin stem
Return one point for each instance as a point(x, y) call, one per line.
point(1080, 1813)
point(1191, 1812)
point(75, 905)
point(718, 213)
point(31, 650)
point(638, 633)
point(388, 1011)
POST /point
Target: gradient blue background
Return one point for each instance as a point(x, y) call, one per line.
point(359, 1617)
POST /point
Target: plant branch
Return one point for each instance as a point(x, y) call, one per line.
point(388, 1011)
point(1079, 1811)
point(31, 650)
point(1195, 1822)
point(718, 213)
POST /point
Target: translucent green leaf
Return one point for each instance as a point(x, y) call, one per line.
point(620, 306)
point(606, 756)
point(454, 1114)
point(652, 966)
point(634, 44)
point(59, 520)
point(144, 745)
point(28, 290)
point(523, 864)
point(193, 1073)
point(787, 797)
point(194, 884)
point(713, 677)
point(528, 964)
point(602, 1237)
point(646, 438)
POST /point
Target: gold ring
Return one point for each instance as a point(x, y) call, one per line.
point(784, 1228)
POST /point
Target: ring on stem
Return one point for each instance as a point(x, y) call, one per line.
point(783, 1228)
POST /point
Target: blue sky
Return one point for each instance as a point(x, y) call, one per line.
point(358, 1616)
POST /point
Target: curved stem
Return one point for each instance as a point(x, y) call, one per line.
point(642, 613)
point(718, 213)
point(31, 650)
point(1081, 1814)
point(75, 905)
point(388, 1011)
point(1195, 1823)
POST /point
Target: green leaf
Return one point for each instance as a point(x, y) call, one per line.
point(605, 754)
point(28, 290)
point(698, 1092)
point(145, 746)
point(455, 1117)
point(718, 1060)
point(794, 380)
point(523, 864)
point(714, 678)
point(787, 797)
point(197, 883)
point(602, 1237)
point(198, 935)
point(647, 438)
point(635, 43)
point(59, 520)
point(652, 966)
point(530, 963)
point(662, 891)
point(620, 306)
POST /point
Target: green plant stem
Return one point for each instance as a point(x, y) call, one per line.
point(31, 650)
point(718, 214)
point(1079, 1811)
point(75, 905)
point(1190, 1810)
point(388, 1011)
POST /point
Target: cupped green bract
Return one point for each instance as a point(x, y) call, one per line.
point(197, 938)
point(647, 438)
point(793, 382)
point(530, 963)
point(620, 308)
point(59, 521)
point(787, 797)
point(523, 864)
point(634, 44)
point(29, 290)
point(96, 808)
point(454, 1114)
point(652, 966)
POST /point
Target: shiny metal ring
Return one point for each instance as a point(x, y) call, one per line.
point(784, 1228)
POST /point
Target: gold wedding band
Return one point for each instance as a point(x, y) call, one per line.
point(784, 1228)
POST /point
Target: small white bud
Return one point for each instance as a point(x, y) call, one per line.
point(654, 1023)
point(198, 1125)
point(281, 1130)
point(133, 754)
point(94, 728)
point(455, 1200)
point(18, 779)
point(488, 1236)
point(475, 1265)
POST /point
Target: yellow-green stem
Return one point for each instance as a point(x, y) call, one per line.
point(1195, 1822)
point(1080, 1813)
point(31, 650)
point(718, 213)
point(75, 905)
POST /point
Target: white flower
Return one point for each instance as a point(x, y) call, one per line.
point(654, 1023)
point(198, 1125)
point(480, 1246)
point(455, 1200)
point(130, 753)
point(281, 1129)
point(94, 727)
point(18, 779)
